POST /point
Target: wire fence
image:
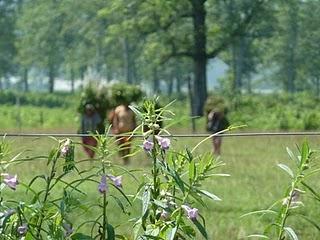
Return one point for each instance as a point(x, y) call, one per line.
point(195, 135)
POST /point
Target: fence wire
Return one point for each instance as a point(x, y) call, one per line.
point(195, 135)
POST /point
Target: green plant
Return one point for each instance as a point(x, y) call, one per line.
point(287, 207)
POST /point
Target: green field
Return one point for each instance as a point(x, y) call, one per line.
point(255, 183)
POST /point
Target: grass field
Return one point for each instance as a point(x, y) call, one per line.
point(255, 183)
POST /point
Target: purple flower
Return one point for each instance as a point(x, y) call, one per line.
point(103, 186)
point(192, 213)
point(163, 142)
point(10, 180)
point(22, 230)
point(117, 181)
point(68, 229)
point(148, 145)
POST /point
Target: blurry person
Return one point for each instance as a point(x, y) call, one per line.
point(123, 121)
point(89, 124)
point(216, 122)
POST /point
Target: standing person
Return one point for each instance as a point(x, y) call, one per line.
point(123, 121)
point(89, 124)
point(216, 122)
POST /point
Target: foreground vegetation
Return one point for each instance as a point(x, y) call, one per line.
point(254, 184)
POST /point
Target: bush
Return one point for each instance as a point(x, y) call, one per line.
point(37, 99)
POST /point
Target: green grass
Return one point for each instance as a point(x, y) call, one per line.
point(255, 183)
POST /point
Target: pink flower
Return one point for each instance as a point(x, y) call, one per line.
point(22, 230)
point(117, 181)
point(192, 213)
point(103, 186)
point(163, 142)
point(148, 145)
point(10, 180)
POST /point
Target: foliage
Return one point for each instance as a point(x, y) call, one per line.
point(125, 94)
point(169, 194)
point(53, 100)
point(289, 206)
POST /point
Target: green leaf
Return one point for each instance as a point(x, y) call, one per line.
point(173, 233)
point(145, 201)
point(314, 193)
point(201, 229)
point(81, 236)
point(292, 156)
point(259, 212)
point(110, 231)
point(136, 228)
point(258, 236)
point(210, 195)
point(178, 181)
point(160, 204)
point(304, 152)
point(192, 171)
point(286, 169)
point(189, 155)
point(292, 235)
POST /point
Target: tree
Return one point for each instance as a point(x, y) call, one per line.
point(7, 48)
point(39, 43)
point(182, 28)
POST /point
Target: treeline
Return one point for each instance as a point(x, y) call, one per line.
point(163, 41)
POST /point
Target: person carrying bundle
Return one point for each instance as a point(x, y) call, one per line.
point(123, 121)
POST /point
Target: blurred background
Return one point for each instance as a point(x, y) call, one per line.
point(261, 56)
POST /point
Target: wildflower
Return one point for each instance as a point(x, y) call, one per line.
point(10, 180)
point(117, 181)
point(164, 214)
point(192, 213)
point(22, 230)
point(68, 229)
point(65, 148)
point(148, 145)
point(103, 186)
point(163, 142)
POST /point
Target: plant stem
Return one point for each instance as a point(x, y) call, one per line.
point(105, 220)
point(155, 178)
point(47, 191)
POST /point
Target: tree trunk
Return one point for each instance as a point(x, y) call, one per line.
point(170, 85)
point(82, 73)
point(292, 44)
point(51, 78)
point(72, 80)
point(318, 87)
point(156, 81)
point(191, 96)
point(199, 57)
point(238, 49)
point(25, 80)
point(127, 61)
point(178, 79)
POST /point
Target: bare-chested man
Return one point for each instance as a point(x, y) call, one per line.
point(123, 121)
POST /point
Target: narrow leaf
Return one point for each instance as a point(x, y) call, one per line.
point(110, 231)
point(292, 235)
point(286, 169)
point(201, 229)
point(210, 195)
point(258, 236)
